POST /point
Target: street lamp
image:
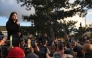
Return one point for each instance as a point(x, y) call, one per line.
point(85, 18)
point(86, 10)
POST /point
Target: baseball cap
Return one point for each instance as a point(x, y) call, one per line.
point(16, 52)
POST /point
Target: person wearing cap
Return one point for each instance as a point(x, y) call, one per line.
point(43, 49)
point(16, 52)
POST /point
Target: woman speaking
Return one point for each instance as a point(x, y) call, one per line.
point(13, 26)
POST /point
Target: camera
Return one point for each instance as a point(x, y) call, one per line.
point(59, 44)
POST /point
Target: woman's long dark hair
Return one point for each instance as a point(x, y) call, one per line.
point(10, 19)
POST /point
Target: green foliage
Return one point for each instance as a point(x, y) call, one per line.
point(42, 7)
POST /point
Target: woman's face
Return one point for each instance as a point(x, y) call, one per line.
point(14, 17)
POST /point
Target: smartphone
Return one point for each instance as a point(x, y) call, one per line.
point(33, 43)
point(56, 55)
point(42, 50)
point(59, 42)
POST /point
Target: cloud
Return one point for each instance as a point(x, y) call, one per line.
point(88, 19)
point(75, 18)
point(90, 12)
point(10, 6)
point(11, 1)
point(71, 1)
point(80, 19)
point(2, 0)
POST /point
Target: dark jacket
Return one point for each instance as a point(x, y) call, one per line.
point(12, 28)
point(88, 55)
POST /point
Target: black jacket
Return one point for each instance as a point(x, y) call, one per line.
point(12, 28)
point(88, 55)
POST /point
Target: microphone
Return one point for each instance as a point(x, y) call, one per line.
point(16, 21)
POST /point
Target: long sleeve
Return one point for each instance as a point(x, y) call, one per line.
point(12, 27)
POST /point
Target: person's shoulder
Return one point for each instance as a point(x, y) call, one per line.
point(8, 22)
point(31, 55)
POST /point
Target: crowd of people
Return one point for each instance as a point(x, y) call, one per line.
point(40, 46)
point(43, 47)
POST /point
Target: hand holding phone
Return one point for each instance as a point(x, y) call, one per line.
point(33, 43)
point(56, 55)
point(59, 42)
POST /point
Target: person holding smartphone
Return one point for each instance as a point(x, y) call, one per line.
point(59, 51)
point(43, 50)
